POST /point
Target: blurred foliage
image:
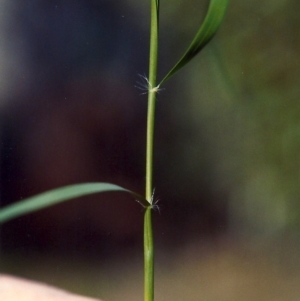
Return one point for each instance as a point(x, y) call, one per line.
point(241, 124)
point(227, 139)
point(227, 144)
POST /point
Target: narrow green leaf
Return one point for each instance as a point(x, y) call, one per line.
point(213, 19)
point(59, 195)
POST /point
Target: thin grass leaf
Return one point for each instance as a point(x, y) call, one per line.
point(60, 195)
point(213, 19)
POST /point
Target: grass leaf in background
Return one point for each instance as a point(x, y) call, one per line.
point(207, 30)
point(60, 195)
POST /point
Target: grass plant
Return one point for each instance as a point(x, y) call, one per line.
point(207, 30)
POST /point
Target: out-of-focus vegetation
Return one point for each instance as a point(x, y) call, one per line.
point(265, 198)
point(238, 117)
point(227, 129)
point(227, 142)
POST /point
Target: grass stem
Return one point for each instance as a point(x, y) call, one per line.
point(151, 98)
point(148, 235)
point(148, 256)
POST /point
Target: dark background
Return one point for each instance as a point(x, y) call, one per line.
point(226, 147)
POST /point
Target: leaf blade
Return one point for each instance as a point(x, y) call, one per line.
point(209, 27)
point(59, 195)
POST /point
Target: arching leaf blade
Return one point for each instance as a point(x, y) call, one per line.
point(59, 195)
point(212, 21)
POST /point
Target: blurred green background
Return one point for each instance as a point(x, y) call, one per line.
point(226, 159)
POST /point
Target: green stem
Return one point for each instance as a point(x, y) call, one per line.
point(148, 257)
point(151, 97)
point(148, 235)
